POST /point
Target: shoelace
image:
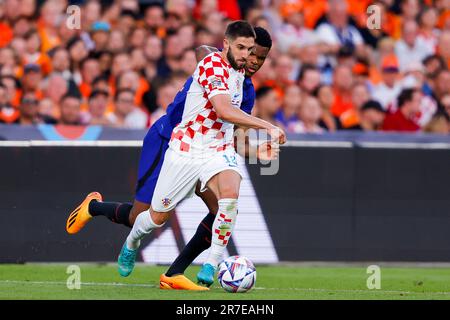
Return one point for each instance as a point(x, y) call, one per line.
point(128, 255)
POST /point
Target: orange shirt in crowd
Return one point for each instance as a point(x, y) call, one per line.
point(443, 18)
point(48, 41)
point(11, 116)
point(6, 34)
point(349, 118)
point(341, 104)
point(393, 25)
point(229, 9)
point(358, 9)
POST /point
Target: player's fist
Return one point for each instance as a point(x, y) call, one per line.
point(278, 135)
point(268, 151)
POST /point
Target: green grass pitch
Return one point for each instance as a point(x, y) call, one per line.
point(48, 281)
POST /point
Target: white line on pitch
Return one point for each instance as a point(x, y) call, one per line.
point(115, 284)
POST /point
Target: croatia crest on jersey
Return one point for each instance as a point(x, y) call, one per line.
point(166, 202)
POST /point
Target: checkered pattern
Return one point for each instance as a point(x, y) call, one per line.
point(213, 75)
point(224, 234)
point(200, 128)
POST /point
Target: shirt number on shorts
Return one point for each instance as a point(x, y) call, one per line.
point(230, 160)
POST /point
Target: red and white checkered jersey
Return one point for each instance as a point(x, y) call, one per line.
point(200, 132)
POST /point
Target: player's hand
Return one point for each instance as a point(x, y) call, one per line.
point(278, 135)
point(268, 151)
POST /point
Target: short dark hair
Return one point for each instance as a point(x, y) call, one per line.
point(305, 68)
point(405, 96)
point(263, 91)
point(263, 37)
point(99, 78)
point(96, 93)
point(372, 105)
point(120, 91)
point(67, 96)
point(239, 28)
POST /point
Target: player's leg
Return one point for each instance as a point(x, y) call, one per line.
point(201, 239)
point(177, 180)
point(226, 187)
point(152, 155)
point(119, 212)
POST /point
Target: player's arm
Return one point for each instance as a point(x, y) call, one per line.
point(202, 51)
point(265, 151)
point(225, 111)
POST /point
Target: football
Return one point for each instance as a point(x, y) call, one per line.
point(237, 274)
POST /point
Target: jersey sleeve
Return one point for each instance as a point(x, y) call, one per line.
point(213, 76)
point(248, 99)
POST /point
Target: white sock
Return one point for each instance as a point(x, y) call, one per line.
point(222, 229)
point(142, 226)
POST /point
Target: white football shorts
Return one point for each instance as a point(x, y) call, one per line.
point(179, 176)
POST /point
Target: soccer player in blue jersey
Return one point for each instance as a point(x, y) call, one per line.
point(152, 155)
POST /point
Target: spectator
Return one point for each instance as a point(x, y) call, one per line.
point(445, 103)
point(100, 31)
point(97, 105)
point(284, 72)
point(360, 95)
point(337, 31)
point(433, 65)
point(343, 82)
point(31, 80)
point(54, 89)
point(165, 93)
point(292, 35)
point(371, 116)
point(408, 107)
point(308, 80)
point(267, 104)
point(154, 19)
point(60, 62)
point(388, 90)
point(441, 84)
point(29, 111)
point(323, 48)
point(13, 93)
point(188, 62)
point(126, 114)
point(428, 33)
point(444, 46)
point(70, 110)
point(8, 114)
point(328, 121)
point(77, 52)
point(33, 53)
point(291, 103)
point(439, 123)
point(309, 115)
point(411, 48)
point(116, 41)
point(89, 70)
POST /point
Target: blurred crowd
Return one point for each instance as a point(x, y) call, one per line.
point(334, 65)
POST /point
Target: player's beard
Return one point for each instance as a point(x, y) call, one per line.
point(232, 61)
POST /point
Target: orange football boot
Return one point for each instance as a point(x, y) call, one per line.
point(80, 216)
point(179, 282)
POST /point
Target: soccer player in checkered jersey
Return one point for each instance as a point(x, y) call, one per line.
point(154, 148)
point(202, 148)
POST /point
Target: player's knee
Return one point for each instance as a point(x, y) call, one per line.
point(229, 192)
point(160, 218)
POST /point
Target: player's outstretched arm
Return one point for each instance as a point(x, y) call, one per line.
point(266, 151)
point(224, 110)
